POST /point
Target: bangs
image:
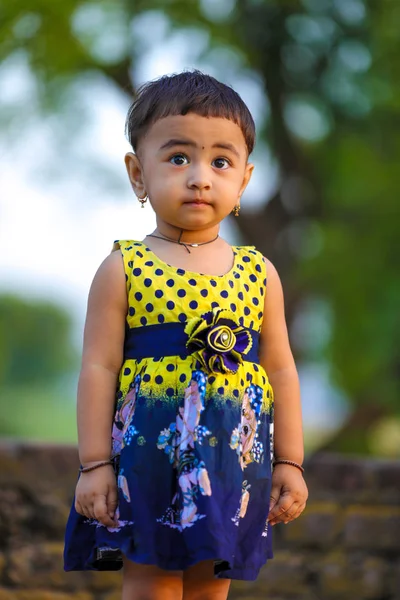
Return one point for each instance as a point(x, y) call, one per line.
point(188, 92)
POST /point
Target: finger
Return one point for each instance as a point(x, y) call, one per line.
point(297, 513)
point(283, 505)
point(274, 496)
point(289, 516)
point(112, 502)
point(87, 508)
point(86, 513)
point(272, 502)
point(79, 508)
point(101, 513)
point(283, 518)
point(294, 512)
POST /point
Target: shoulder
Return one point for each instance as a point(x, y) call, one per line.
point(109, 280)
point(272, 273)
point(112, 265)
point(274, 299)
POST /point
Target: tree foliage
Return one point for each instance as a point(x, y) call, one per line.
point(330, 74)
point(35, 344)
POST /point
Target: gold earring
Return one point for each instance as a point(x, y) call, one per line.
point(236, 210)
point(143, 200)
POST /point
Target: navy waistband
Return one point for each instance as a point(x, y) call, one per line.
point(169, 339)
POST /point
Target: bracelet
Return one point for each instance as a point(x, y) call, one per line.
point(93, 467)
point(282, 461)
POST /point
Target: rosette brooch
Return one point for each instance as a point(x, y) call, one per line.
point(218, 341)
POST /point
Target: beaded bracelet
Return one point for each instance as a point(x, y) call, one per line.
point(93, 467)
point(282, 461)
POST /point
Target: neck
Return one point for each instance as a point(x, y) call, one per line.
point(197, 236)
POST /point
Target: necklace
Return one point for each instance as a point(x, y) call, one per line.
point(168, 239)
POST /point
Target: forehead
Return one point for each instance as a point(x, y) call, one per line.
point(205, 131)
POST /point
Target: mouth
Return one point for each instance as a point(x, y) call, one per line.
point(197, 201)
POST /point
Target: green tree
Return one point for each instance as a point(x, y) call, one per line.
point(35, 344)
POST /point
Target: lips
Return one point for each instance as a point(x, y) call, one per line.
point(196, 201)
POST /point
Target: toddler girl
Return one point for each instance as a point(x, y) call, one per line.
point(186, 366)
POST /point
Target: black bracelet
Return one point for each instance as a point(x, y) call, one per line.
point(283, 461)
point(93, 467)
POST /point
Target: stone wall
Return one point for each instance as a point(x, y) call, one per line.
point(346, 546)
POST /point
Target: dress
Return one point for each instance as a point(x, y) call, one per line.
point(193, 427)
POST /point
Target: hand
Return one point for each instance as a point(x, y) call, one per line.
point(289, 494)
point(96, 495)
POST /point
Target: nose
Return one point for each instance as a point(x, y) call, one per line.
point(199, 178)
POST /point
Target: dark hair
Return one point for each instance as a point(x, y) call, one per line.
point(183, 93)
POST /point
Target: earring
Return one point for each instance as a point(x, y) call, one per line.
point(236, 210)
point(143, 200)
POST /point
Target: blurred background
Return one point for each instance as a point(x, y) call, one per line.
point(322, 79)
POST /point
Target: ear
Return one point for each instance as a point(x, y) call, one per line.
point(135, 174)
point(246, 177)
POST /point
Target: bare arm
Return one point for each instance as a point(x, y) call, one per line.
point(289, 491)
point(102, 359)
point(277, 359)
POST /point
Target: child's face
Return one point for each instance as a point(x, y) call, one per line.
point(193, 169)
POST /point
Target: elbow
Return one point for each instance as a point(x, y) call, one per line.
point(90, 367)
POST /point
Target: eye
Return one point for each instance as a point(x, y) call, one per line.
point(179, 160)
point(221, 163)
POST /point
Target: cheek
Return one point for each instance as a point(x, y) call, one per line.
point(230, 183)
point(162, 179)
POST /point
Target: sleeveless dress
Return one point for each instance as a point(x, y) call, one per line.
point(192, 434)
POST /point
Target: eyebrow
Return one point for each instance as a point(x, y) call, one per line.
point(182, 142)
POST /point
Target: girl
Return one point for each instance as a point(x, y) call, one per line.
point(176, 482)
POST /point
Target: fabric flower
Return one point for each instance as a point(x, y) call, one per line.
point(218, 341)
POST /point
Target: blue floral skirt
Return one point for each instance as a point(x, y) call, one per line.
point(194, 478)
